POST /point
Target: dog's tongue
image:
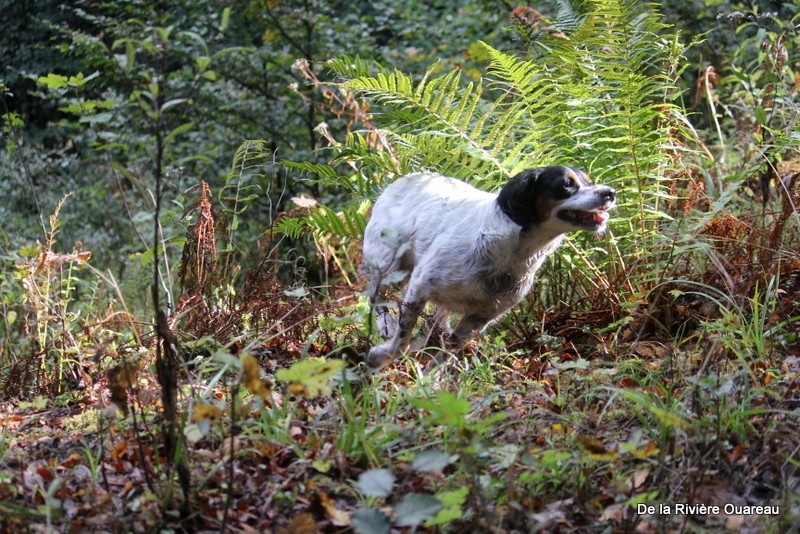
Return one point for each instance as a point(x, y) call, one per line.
point(601, 216)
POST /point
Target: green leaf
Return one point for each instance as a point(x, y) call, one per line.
point(202, 62)
point(97, 118)
point(149, 255)
point(454, 498)
point(310, 377)
point(172, 103)
point(451, 502)
point(642, 498)
point(761, 115)
point(376, 483)
point(28, 251)
point(130, 55)
point(53, 81)
point(322, 465)
point(415, 508)
point(164, 33)
point(80, 80)
point(446, 409)
point(369, 521)
point(177, 131)
point(226, 19)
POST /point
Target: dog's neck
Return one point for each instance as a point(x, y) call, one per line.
point(520, 247)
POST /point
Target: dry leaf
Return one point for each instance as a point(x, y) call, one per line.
point(119, 451)
point(638, 478)
point(48, 258)
point(251, 377)
point(339, 518)
point(206, 412)
point(614, 512)
point(301, 524)
point(650, 350)
point(121, 378)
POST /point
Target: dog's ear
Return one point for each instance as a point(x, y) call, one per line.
point(518, 197)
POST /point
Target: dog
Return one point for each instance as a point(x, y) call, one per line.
point(468, 251)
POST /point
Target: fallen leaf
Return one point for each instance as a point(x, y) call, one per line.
point(553, 514)
point(650, 350)
point(206, 412)
point(339, 518)
point(251, 377)
point(638, 478)
point(119, 451)
point(614, 513)
point(301, 524)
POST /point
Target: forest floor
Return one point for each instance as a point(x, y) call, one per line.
point(586, 429)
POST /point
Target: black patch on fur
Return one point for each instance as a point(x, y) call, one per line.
point(518, 197)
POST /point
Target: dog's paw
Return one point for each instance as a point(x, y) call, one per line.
point(380, 356)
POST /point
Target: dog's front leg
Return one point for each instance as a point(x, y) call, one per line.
point(466, 327)
point(381, 355)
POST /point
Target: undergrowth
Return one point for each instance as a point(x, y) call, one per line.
point(655, 367)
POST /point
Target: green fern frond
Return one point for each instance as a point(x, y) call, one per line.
point(325, 173)
point(350, 67)
point(441, 107)
point(350, 222)
point(570, 14)
point(240, 187)
point(293, 227)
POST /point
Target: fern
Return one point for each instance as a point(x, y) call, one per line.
point(292, 227)
point(238, 192)
point(593, 92)
point(439, 116)
point(249, 162)
point(323, 221)
point(350, 222)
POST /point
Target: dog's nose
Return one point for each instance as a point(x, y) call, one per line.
point(608, 194)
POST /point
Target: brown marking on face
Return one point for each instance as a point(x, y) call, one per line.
point(579, 177)
point(544, 208)
point(572, 177)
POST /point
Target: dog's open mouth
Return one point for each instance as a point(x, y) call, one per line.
point(587, 219)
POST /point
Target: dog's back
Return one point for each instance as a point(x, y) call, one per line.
point(411, 214)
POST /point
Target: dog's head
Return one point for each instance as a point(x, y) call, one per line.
point(559, 199)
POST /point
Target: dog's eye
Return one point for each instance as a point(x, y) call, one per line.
point(570, 184)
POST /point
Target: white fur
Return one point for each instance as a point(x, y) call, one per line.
point(461, 252)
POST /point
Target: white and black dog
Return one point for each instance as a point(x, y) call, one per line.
point(469, 251)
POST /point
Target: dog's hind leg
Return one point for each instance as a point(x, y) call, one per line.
point(381, 355)
point(387, 325)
